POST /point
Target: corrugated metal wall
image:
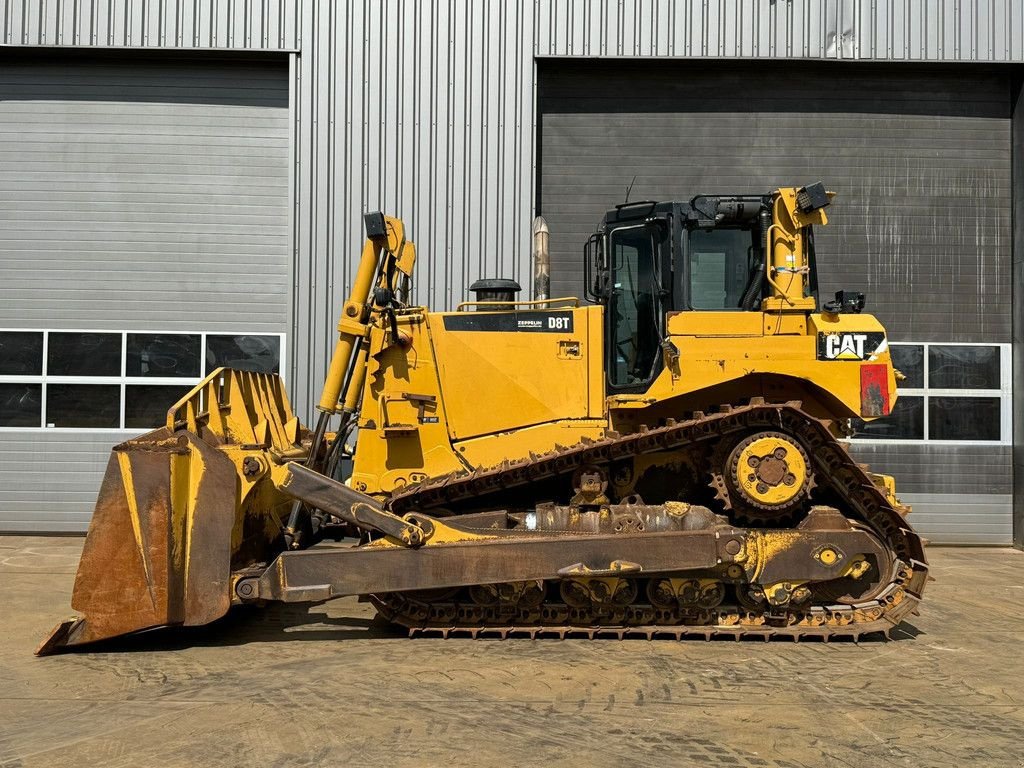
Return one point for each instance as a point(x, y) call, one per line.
point(916, 30)
point(926, 30)
point(423, 110)
point(960, 494)
point(264, 25)
point(36, 498)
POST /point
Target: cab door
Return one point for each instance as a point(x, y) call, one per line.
point(639, 270)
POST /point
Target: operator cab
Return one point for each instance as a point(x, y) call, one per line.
point(648, 259)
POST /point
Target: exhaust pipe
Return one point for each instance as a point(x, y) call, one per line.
point(541, 260)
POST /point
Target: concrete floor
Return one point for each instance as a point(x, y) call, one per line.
point(328, 685)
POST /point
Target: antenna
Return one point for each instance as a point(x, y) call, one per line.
point(630, 188)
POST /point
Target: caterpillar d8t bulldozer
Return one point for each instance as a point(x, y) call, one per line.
point(663, 460)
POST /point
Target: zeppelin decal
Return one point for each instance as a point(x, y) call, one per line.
point(510, 322)
point(850, 345)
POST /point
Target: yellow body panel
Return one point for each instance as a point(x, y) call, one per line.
point(497, 395)
point(451, 400)
point(731, 354)
point(402, 440)
point(733, 323)
point(495, 381)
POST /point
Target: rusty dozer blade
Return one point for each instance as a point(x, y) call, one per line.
point(182, 507)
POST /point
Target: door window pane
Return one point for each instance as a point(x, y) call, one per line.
point(963, 367)
point(146, 405)
point(246, 353)
point(83, 354)
point(963, 418)
point(21, 405)
point(172, 355)
point(909, 360)
point(83, 405)
point(906, 422)
point(21, 353)
point(634, 306)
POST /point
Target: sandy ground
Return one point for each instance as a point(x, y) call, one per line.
point(330, 685)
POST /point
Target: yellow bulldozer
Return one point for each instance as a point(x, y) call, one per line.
point(664, 459)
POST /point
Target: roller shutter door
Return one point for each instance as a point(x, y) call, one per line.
point(920, 158)
point(136, 194)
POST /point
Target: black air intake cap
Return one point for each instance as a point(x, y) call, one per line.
point(497, 284)
point(496, 289)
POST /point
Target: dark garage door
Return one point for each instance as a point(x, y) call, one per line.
point(920, 158)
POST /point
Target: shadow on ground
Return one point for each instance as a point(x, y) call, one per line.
point(283, 622)
point(279, 622)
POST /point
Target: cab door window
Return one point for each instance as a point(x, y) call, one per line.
point(634, 313)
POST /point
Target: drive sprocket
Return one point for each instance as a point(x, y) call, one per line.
point(763, 478)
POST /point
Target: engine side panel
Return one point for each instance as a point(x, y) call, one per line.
point(507, 370)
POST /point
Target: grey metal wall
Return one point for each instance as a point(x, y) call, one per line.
point(923, 30)
point(927, 30)
point(425, 107)
point(960, 494)
point(150, 197)
point(423, 110)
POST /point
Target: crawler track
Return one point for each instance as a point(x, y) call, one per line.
point(838, 476)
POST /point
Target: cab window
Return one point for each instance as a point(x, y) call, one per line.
point(720, 263)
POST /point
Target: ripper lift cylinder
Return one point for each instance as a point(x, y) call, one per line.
point(353, 310)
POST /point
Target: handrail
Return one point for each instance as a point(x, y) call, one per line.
point(769, 265)
point(517, 303)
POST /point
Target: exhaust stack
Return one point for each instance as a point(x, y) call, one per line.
point(541, 260)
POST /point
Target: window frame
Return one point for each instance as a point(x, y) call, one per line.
point(1004, 394)
point(123, 380)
